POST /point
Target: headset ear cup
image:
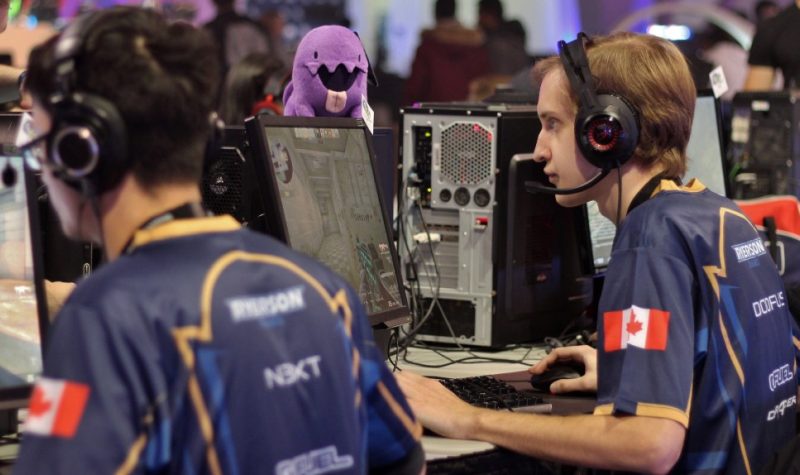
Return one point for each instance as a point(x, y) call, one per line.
point(216, 137)
point(88, 142)
point(608, 134)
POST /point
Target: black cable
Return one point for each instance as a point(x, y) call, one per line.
point(435, 290)
point(619, 193)
point(90, 194)
point(394, 334)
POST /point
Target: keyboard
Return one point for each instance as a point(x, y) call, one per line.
point(492, 462)
point(492, 393)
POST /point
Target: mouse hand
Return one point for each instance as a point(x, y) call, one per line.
point(436, 407)
point(584, 355)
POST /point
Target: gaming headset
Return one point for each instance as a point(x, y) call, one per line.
point(87, 144)
point(606, 125)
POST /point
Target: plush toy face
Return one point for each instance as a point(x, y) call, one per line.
point(329, 75)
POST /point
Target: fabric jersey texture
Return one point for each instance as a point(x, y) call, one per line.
point(695, 328)
point(775, 45)
point(213, 349)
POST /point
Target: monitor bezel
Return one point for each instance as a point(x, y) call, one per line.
point(274, 215)
point(16, 397)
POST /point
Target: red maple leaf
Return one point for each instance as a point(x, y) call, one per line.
point(39, 404)
point(633, 327)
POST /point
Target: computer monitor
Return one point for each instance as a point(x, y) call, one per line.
point(705, 149)
point(386, 165)
point(706, 162)
point(9, 122)
point(23, 311)
point(318, 183)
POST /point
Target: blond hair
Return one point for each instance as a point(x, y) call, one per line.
point(653, 75)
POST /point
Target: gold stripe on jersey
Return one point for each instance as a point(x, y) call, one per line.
point(184, 227)
point(714, 273)
point(412, 426)
point(660, 411)
point(694, 186)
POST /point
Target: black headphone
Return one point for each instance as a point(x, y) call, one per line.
point(87, 145)
point(607, 125)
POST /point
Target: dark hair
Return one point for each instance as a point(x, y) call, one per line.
point(445, 9)
point(161, 77)
point(247, 83)
point(762, 7)
point(494, 7)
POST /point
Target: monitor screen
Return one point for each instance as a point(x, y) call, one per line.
point(22, 310)
point(705, 149)
point(706, 161)
point(321, 197)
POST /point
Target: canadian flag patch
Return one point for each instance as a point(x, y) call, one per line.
point(645, 328)
point(56, 407)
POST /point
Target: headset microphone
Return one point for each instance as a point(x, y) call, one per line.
point(535, 187)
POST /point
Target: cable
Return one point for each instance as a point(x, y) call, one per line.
point(394, 334)
point(619, 193)
point(435, 290)
point(89, 193)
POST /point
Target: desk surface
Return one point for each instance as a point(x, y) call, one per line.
point(425, 360)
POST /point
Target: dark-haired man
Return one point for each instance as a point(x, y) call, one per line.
point(200, 347)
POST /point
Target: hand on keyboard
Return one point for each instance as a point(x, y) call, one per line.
point(436, 407)
point(491, 393)
point(447, 407)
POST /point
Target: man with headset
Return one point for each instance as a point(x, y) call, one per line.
point(200, 347)
point(695, 359)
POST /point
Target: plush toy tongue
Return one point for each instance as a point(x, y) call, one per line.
point(339, 79)
point(335, 101)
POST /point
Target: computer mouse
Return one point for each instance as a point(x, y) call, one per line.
point(542, 382)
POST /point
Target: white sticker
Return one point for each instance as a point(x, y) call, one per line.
point(718, 82)
point(367, 114)
point(760, 106)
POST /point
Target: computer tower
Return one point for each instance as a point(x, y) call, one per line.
point(765, 144)
point(502, 265)
point(228, 185)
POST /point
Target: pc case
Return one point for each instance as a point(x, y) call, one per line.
point(506, 266)
point(228, 185)
point(765, 143)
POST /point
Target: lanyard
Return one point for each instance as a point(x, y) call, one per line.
point(184, 211)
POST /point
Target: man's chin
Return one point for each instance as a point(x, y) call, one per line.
point(571, 201)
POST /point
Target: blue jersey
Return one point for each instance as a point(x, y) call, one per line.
point(213, 349)
point(695, 328)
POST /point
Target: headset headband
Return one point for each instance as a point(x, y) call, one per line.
point(576, 65)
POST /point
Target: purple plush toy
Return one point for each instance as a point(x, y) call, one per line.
point(329, 75)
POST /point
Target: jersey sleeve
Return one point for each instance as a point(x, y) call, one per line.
point(393, 432)
point(646, 330)
point(98, 389)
